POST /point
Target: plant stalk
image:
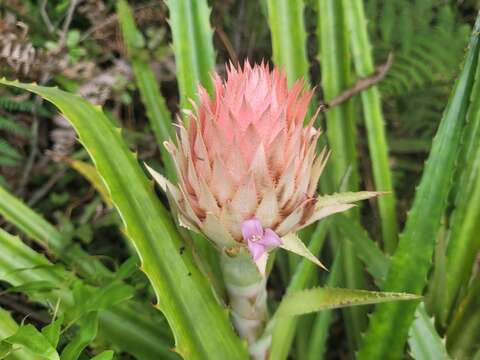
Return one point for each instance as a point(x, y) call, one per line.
point(247, 296)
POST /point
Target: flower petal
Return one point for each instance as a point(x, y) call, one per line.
point(252, 228)
point(256, 249)
point(270, 240)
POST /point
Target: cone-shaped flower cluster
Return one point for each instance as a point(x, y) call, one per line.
point(243, 155)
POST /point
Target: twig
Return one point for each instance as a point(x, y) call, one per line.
point(46, 19)
point(67, 22)
point(112, 19)
point(360, 85)
point(228, 45)
point(40, 193)
point(33, 142)
point(33, 150)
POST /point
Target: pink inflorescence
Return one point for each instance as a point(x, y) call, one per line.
point(246, 161)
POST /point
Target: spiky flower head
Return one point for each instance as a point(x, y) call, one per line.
point(247, 165)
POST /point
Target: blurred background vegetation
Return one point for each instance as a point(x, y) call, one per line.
point(77, 46)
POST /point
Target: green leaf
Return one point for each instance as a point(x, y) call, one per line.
point(366, 249)
point(31, 340)
point(157, 111)
point(87, 330)
point(127, 269)
point(105, 355)
point(287, 27)
point(32, 224)
point(47, 236)
point(137, 332)
point(377, 265)
point(89, 172)
point(336, 76)
point(317, 344)
point(52, 331)
point(463, 330)
point(15, 257)
point(425, 344)
point(5, 350)
point(128, 326)
point(190, 303)
point(88, 299)
point(32, 287)
point(463, 242)
point(8, 326)
point(284, 328)
point(374, 121)
point(477, 355)
point(388, 328)
point(73, 37)
point(318, 299)
point(192, 45)
point(110, 295)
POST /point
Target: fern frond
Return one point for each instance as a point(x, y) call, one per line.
point(9, 151)
point(428, 39)
point(3, 182)
point(8, 161)
point(13, 127)
point(28, 106)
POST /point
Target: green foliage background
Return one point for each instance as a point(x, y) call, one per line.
point(81, 280)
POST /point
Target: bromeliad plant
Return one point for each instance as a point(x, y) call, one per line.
point(248, 173)
point(242, 168)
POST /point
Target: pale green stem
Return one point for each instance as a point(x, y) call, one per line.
point(247, 295)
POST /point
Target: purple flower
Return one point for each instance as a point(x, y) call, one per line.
point(259, 241)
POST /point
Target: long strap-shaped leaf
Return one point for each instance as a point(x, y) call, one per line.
point(154, 103)
point(335, 61)
point(318, 299)
point(463, 239)
point(287, 27)
point(423, 338)
point(157, 112)
point(373, 115)
point(284, 329)
point(462, 335)
point(425, 344)
point(19, 214)
point(317, 344)
point(336, 77)
point(365, 249)
point(192, 45)
point(200, 325)
point(388, 328)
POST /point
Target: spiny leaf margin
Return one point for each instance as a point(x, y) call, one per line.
point(190, 303)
